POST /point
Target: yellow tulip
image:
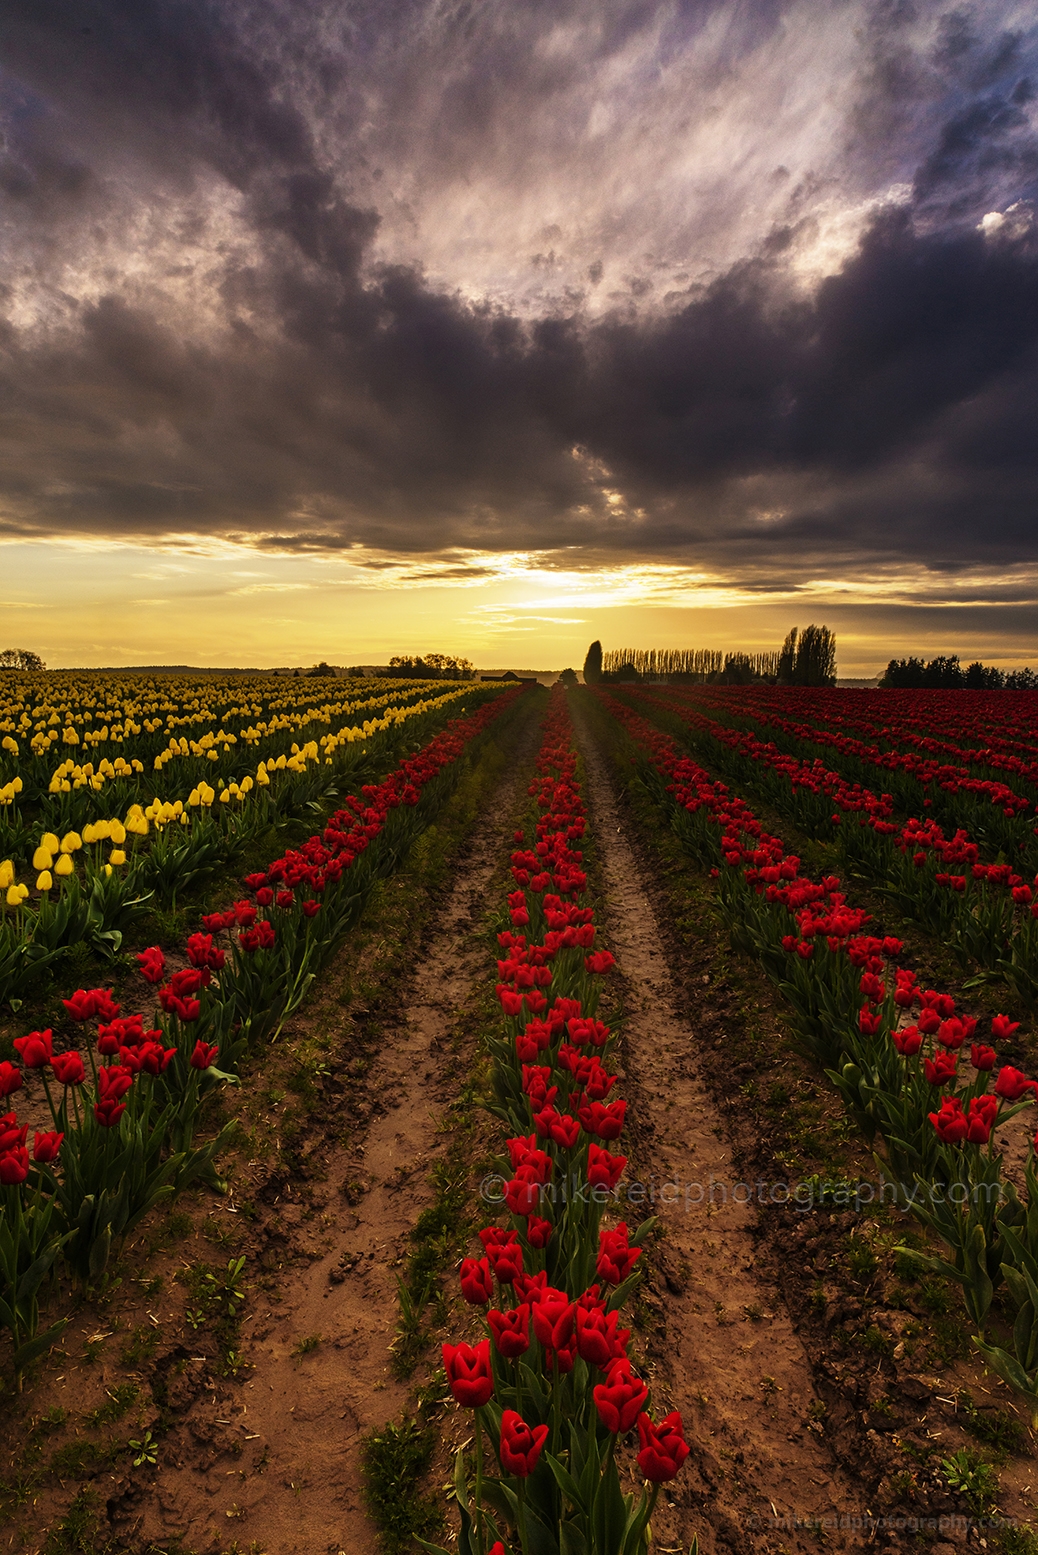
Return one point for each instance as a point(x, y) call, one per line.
point(90, 834)
point(108, 869)
point(50, 841)
point(43, 858)
point(117, 832)
point(14, 896)
point(10, 745)
point(6, 874)
point(44, 881)
point(71, 842)
point(117, 856)
point(64, 866)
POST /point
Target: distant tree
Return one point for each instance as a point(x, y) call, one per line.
point(568, 677)
point(1021, 680)
point(903, 674)
point(593, 665)
point(788, 659)
point(816, 657)
point(433, 666)
point(807, 658)
point(983, 677)
point(21, 659)
point(944, 673)
point(320, 670)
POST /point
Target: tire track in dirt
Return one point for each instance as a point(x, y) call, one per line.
point(724, 1351)
point(294, 1429)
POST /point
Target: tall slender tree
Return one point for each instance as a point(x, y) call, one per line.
point(593, 665)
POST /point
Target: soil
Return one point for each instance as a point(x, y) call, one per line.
point(812, 1385)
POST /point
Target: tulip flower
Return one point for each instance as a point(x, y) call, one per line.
point(1002, 1027)
point(981, 1057)
point(1011, 1084)
point(45, 1147)
point(64, 865)
point(152, 964)
point(941, 1068)
point(12, 1133)
point(108, 1111)
point(35, 1050)
point(538, 1232)
point(908, 1040)
point(553, 1316)
point(616, 1258)
point(521, 1445)
point(204, 1055)
point(68, 1068)
point(477, 1281)
point(44, 881)
point(468, 1373)
point(510, 1331)
point(14, 1166)
point(604, 1170)
point(599, 1341)
point(10, 1078)
point(950, 1123)
point(663, 1448)
point(620, 1399)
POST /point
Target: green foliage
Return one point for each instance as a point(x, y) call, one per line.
point(394, 1461)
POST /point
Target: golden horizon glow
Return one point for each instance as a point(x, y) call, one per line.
point(211, 603)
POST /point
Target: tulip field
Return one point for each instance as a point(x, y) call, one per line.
point(194, 884)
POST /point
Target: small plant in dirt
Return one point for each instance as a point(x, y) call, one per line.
point(306, 1346)
point(971, 1477)
point(145, 1450)
point(395, 1459)
point(141, 1346)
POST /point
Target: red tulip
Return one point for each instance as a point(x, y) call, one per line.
point(950, 1123)
point(153, 963)
point(477, 1281)
point(604, 1170)
point(1002, 1027)
point(615, 1258)
point(606, 1120)
point(68, 1068)
point(35, 1050)
point(538, 1232)
point(45, 1147)
point(941, 1068)
point(511, 1331)
point(468, 1372)
point(981, 1057)
point(12, 1133)
point(620, 1399)
point(10, 1078)
point(1011, 1084)
point(521, 1445)
point(14, 1166)
point(204, 1055)
point(599, 1342)
point(908, 1040)
point(109, 1111)
point(663, 1449)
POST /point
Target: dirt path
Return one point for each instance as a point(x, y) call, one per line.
point(278, 1457)
point(723, 1346)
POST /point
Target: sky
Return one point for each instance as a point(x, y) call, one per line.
point(333, 329)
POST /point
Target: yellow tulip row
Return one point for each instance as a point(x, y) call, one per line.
point(53, 857)
point(129, 705)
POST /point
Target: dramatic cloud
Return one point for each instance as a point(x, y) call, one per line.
point(747, 288)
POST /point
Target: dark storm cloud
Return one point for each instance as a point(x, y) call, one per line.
point(885, 412)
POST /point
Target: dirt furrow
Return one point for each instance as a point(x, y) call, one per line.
point(724, 1349)
point(282, 1452)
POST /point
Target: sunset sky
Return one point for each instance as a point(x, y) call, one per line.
point(342, 328)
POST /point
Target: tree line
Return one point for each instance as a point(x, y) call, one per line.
point(945, 673)
point(806, 658)
point(20, 659)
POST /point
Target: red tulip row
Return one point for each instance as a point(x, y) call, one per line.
point(124, 1119)
point(553, 1387)
point(900, 1077)
point(1000, 815)
point(986, 912)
